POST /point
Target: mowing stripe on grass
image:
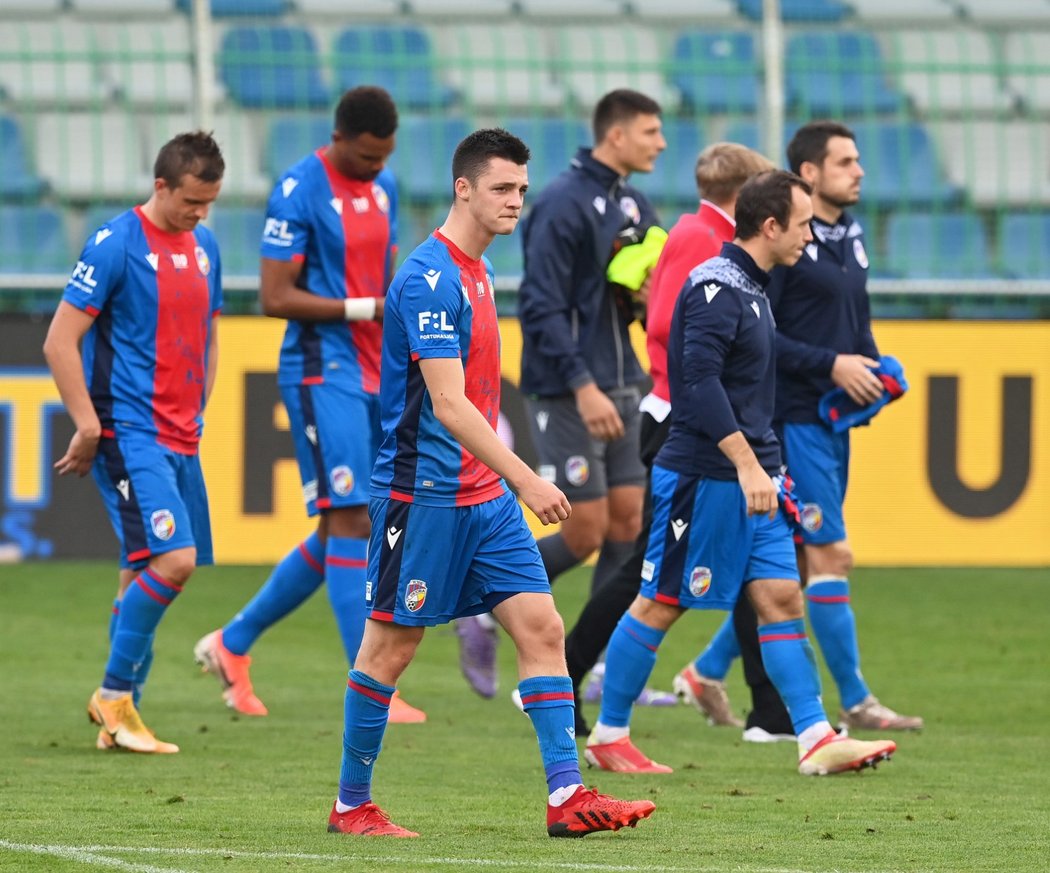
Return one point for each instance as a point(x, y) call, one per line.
point(93, 855)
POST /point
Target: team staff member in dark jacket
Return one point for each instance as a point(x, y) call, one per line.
point(579, 372)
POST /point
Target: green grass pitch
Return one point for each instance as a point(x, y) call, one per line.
point(967, 649)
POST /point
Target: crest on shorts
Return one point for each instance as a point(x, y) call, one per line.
point(577, 470)
point(415, 595)
point(342, 480)
point(203, 262)
point(163, 524)
point(699, 581)
point(812, 517)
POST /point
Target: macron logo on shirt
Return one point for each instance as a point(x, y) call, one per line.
point(710, 290)
point(432, 277)
point(288, 186)
point(104, 234)
point(153, 259)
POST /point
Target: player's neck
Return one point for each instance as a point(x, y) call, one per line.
point(465, 235)
point(154, 216)
point(759, 252)
point(824, 211)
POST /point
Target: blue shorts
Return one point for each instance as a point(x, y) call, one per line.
point(155, 498)
point(336, 431)
point(428, 565)
point(704, 547)
point(818, 462)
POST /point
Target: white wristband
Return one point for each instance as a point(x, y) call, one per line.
point(359, 308)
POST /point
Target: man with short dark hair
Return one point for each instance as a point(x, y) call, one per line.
point(144, 298)
point(328, 251)
point(449, 539)
point(718, 526)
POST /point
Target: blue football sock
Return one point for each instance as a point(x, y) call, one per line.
point(346, 567)
point(714, 661)
point(549, 702)
point(835, 628)
point(792, 667)
point(629, 660)
point(365, 711)
point(292, 581)
point(141, 610)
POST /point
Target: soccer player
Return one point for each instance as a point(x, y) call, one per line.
point(448, 537)
point(721, 169)
point(327, 256)
point(824, 339)
point(718, 528)
point(144, 298)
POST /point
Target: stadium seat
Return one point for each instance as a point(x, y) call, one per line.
point(19, 180)
point(272, 67)
point(1024, 244)
point(291, 138)
point(50, 63)
point(362, 8)
point(1001, 11)
point(947, 71)
point(596, 10)
point(469, 8)
point(1026, 54)
point(683, 10)
point(672, 184)
point(901, 166)
point(239, 232)
point(92, 156)
point(903, 11)
point(424, 154)
point(33, 240)
point(399, 58)
point(150, 64)
point(98, 214)
point(501, 67)
point(716, 71)
point(122, 8)
point(926, 245)
point(593, 60)
point(552, 141)
point(798, 10)
point(838, 73)
point(232, 8)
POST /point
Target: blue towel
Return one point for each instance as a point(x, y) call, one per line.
point(841, 412)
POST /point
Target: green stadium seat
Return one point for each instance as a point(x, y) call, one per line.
point(928, 245)
point(1024, 244)
point(715, 71)
point(19, 181)
point(836, 73)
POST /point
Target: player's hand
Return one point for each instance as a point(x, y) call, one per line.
point(79, 456)
point(852, 373)
point(759, 490)
point(545, 500)
point(599, 413)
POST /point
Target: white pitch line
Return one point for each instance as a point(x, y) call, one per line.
point(94, 854)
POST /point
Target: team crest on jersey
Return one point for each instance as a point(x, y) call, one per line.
point(415, 595)
point(203, 263)
point(342, 480)
point(577, 470)
point(699, 581)
point(812, 517)
point(859, 253)
point(380, 196)
point(629, 207)
point(163, 524)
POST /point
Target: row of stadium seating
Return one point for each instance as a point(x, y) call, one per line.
point(956, 70)
point(81, 156)
point(916, 245)
point(791, 10)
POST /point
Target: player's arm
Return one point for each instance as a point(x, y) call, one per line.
point(446, 385)
point(62, 353)
point(281, 297)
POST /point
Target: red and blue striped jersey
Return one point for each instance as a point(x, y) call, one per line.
point(153, 295)
point(440, 305)
point(344, 231)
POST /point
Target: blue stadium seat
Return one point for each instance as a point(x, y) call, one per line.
point(33, 240)
point(232, 8)
point(672, 184)
point(838, 73)
point(901, 166)
point(424, 156)
point(715, 71)
point(930, 245)
point(239, 231)
point(272, 67)
point(1024, 244)
point(504, 253)
point(553, 143)
point(19, 180)
point(293, 137)
point(798, 10)
point(399, 59)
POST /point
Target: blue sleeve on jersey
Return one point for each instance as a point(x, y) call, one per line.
point(431, 315)
point(215, 276)
point(286, 231)
point(388, 183)
point(708, 328)
point(99, 270)
point(793, 355)
point(866, 340)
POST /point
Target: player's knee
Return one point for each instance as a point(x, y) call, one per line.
point(625, 529)
point(584, 539)
point(349, 522)
point(833, 559)
point(177, 566)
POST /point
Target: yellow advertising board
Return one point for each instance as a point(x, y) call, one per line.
point(956, 473)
